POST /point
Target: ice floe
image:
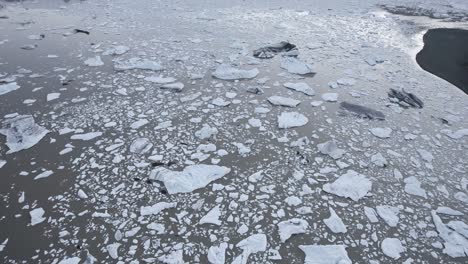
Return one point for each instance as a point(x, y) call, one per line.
point(291, 119)
point(190, 178)
point(283, 101)
point(300, 87)
point(227, 72)
point(6, 88)
point(291, 227)
point(350, 185)
point(22, 133)
point(325, 254)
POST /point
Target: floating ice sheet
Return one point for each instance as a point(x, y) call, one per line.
point(22, 133)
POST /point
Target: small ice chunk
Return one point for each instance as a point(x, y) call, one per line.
point(139, 123)
point(206, 132)
point(413, 186)
point(350, 185)
point(325, 254)
point(292, 119)
point(116, 50)
point(457, 134)
point(94, 62)
point(381, 132)
point(191, 178)
point(456, 245)
point(212, 217)
point(392, 248)
point(335, 223)
point(176, 87)
point(52, 96)
point(140, 146)
point(331, 149)
point(138, 63)
point(113, 250)
point(283, 101)
point(2, 163)
point(6, 88)
point(72, 260)
point(227, 72)
point(379, 160)
point(160, 79)
point(256, 177)
point(217, 254)
point(300, 87)
point(86, 136)
point(371, 214)
point(330, 97)
point(44, 174)
point(37, 216)
point(291, 227)
point(295, 66)
point(82, 194)
point(425, 155)
point(251, 245)
point(448, 211)
point(389, 214)
point(22, 133)
point(156, 208)
point(220, 102)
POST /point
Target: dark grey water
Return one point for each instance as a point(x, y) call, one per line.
point(358, 52)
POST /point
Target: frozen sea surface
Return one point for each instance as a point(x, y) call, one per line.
point(144, 132)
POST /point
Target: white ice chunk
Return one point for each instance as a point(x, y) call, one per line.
point(212, 217)
point(330, 97)
point(251, 245)
point(325, 254)
point(156, 208)
point(113, 250)
point(6, 88)
point(141, 145)
point(191, 178)
point(227, 72)
point(292, 119)
point(138, 63)
point(160, 79)
point(291, 227)
point(413, 186)
point(371, 214)
point(300, 87)
point(381, 132)
point(72, 260)
point(389, 214)
point(176, 87)
point(52, 96)
point(295, 66)
point(44, 174)
point(335, 223)
point(455, 244)
point(206, 132)
point(37, 216)
point(331, 149)
point(86, 136)
point(217, 254)
point(94, 62)
point(392, 248)
point(283, 101)
point(116, 50)
point(22, 133)
point(350, 185)
point(139, 123)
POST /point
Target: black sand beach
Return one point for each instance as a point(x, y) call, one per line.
point(445, 54)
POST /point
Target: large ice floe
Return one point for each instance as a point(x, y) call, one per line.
point(190, 178)
point(22, 133)
point(227, 72)
point(351, 185)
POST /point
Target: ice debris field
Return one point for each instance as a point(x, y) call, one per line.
point(229, 132)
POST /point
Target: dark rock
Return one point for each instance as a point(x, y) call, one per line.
point(405, 99)
point(362, 111)
point(270, 51)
